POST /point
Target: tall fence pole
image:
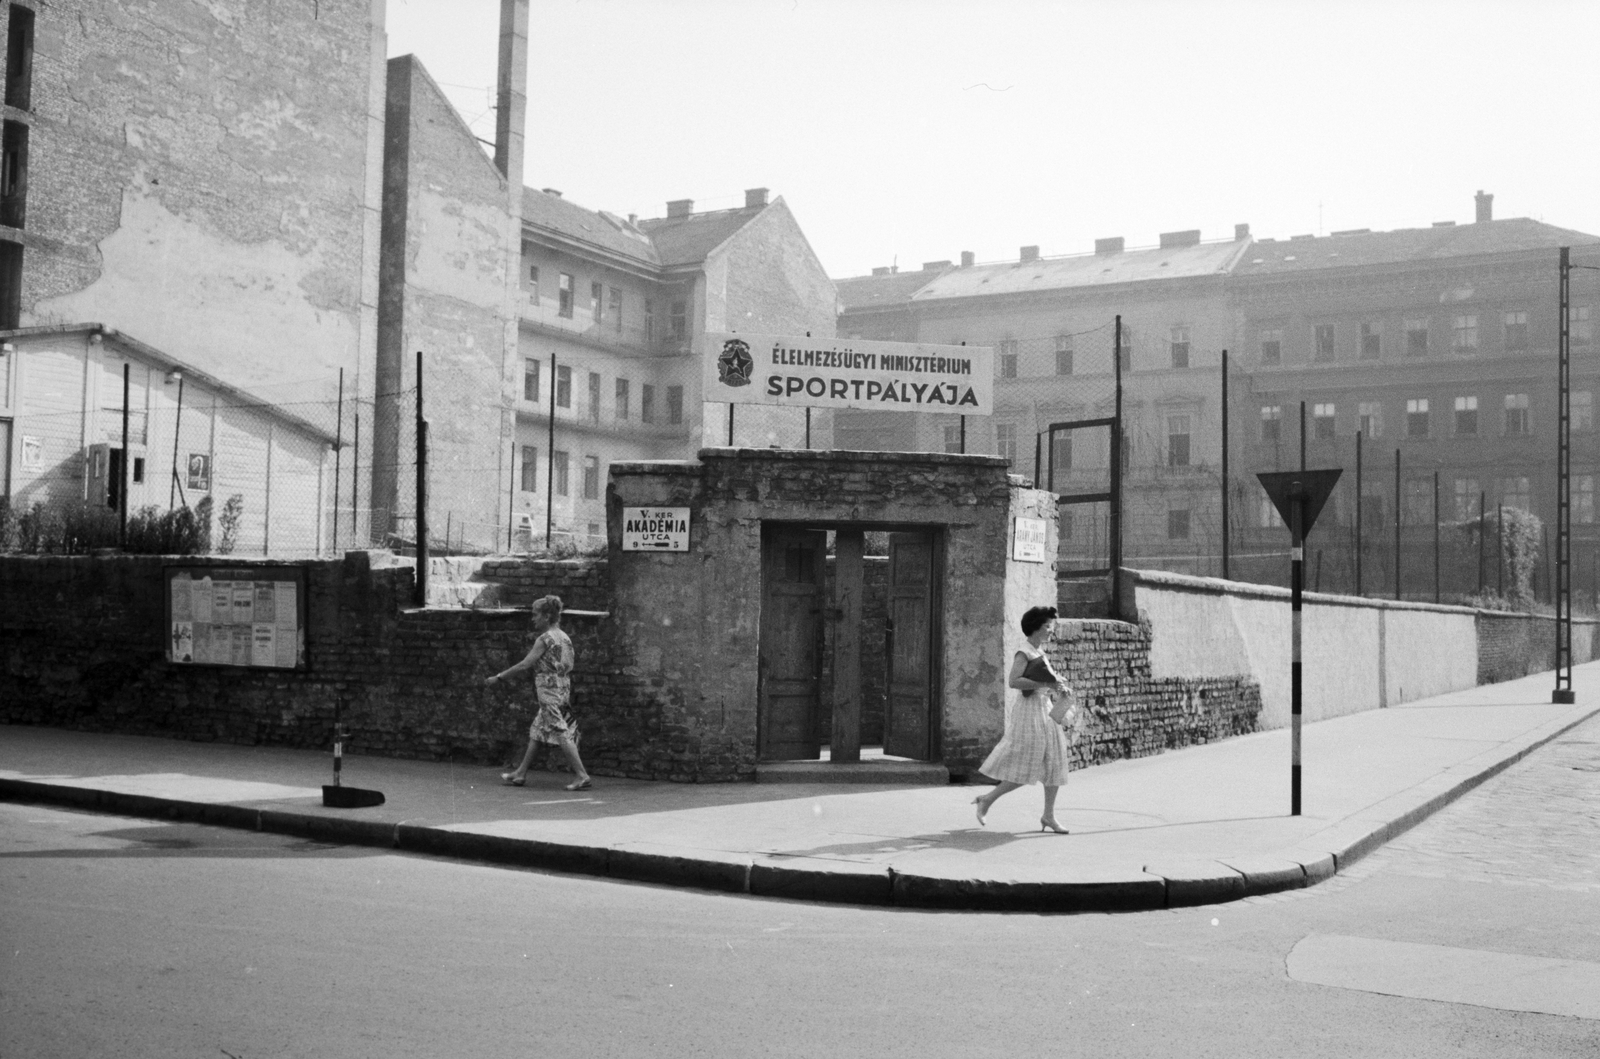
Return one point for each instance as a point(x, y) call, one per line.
point(338, 455)
point(1115, 512)
point(1302, 435)
point(1560, 588)
point(1397, 522)
point(1296, 585)
point(177, 432)
point(1483, 535)
point(1225, 520)
point(1500, 550)
point(122, 471)
point(422, 494)
point(1436, 536)
point(550, 464)
point(1359, 542)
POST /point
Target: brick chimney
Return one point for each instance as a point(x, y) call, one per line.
point(1112, 245)
point(1169, 240)
point(968, 258)
point(1241, 232)
point(755, 197)
point(1485, 207)
point(511, 93)
point(1030, 253)
point(680, 207)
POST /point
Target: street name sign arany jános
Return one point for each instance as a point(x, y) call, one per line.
point(805, 372)
point(655, 529)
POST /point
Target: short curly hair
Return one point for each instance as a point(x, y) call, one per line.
point(1035, 618)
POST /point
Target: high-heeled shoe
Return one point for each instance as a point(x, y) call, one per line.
point(1051, 825)
point(982, 810)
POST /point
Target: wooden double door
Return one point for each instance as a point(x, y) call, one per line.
point(795, 610)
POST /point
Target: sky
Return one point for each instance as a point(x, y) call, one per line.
point(902, 132)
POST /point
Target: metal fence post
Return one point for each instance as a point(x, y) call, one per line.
point(422, 494)
point(1225, 520)
point(122, 471)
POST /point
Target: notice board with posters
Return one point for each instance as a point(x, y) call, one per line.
point(250, 617)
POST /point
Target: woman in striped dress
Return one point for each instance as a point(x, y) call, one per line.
point(1035, 748)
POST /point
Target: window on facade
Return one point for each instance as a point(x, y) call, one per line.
point(530, 468)
point(1324, 342)
point(1374, 511)
point(1005, 441)
point(1177, 441)
point(1125, 354)
point(1323, 418)
point(1008, 358)
point(649, 321)
point(19, 58)
point(1177, 524)
point(1466, 415)
point(1066, 525)
point(1061, 452)
point(591, 478)
point(1371, 341)
point(1064, 351)
point(562, 473)
point(1464, 333)
point(622, 398)
point(1580, 329)
point(596, 305)
point(1272, 423)
point(1369, 418)
point(594, 397)
point(1465, 495)
point(616, 309)
point(1581, 409)
point(674, 404)
point(952, 437)
point(647, 403)
point(1516, 324)
point(1517, 414)
point(1516, 492)
point(564, 291)
point(680, 320)
point(1272, 346)
point(530, 274)
point(530, 379)
point(563, 387)
point(1583, 499)
point(1417, 337)
point(1180, 347)
point(1267, 516)
point(1417, 417)
point(1418, 500)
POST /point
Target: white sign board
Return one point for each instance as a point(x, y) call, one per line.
point(655, 529)
point(848, 373)
point(1027, 540)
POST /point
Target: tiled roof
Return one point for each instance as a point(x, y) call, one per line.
point(555, 214)
point(687, 240)
point(874, 292)
point(1407, 245)
point(1086, 270)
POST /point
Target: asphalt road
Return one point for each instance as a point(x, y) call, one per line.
point(122, 937)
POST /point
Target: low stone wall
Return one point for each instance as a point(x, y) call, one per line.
point(1358, 653)
point(1108, 663)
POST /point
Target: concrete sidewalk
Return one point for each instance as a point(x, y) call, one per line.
point(1192, 826)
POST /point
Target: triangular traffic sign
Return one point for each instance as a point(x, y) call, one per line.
point(1311, 489)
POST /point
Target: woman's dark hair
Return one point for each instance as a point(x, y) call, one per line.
point(1036, 617)
point(549, 606)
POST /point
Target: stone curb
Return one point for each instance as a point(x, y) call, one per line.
point(1160, 884)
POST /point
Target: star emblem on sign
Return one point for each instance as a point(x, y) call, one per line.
point(734, 364)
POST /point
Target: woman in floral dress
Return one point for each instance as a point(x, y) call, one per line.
point(551, 659)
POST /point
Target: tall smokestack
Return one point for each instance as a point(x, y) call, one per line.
point(1485, 207)
point(511, 94)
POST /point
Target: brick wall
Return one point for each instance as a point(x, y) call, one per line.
point(1515, 645)
point(83, 648)
point(1108, 664)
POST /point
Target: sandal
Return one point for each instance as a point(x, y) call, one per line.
point(511, 779)
point(579, 785)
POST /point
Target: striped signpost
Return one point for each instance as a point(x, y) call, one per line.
point(1299, 497)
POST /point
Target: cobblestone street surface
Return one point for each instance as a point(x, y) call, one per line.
point(1536, 824)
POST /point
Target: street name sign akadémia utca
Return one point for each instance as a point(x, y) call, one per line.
point(655, 529)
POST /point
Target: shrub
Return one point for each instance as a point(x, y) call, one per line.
point(228, 523)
